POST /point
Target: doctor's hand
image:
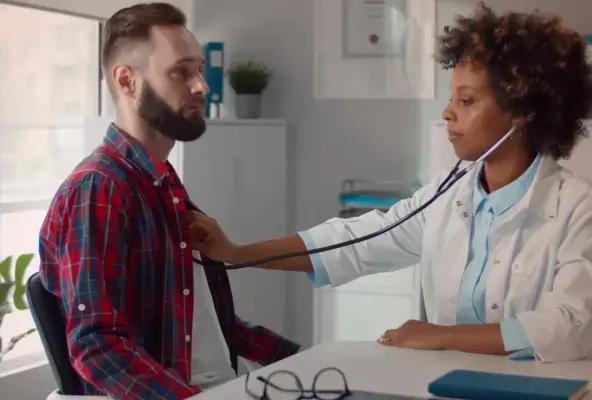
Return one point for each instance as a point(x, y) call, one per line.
point(416, 335)
point(208, 238)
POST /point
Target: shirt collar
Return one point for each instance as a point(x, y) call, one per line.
point(502, 199)
point(134, 152)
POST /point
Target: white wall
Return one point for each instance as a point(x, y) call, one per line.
point(331, 140)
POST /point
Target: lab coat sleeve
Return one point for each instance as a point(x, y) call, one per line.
point(318, 276)
point(560, 327)
point(398, 248)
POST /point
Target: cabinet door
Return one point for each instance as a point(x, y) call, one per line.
point(237, 174)
point(208, 172)
point(350, 315)
point(260, 183)
point(364, 308)
point(261, 175)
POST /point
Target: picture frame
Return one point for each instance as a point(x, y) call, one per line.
point(374, 28)
point(348, 66)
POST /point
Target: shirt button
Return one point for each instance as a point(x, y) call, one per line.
point(176, 200)
point(466, 215)
point(496, 262)
point(187, 338)
point(494, 306)
point(155, 183)
point(81, 307)
point(459, 203)
point(183, 245)
point(186, 292)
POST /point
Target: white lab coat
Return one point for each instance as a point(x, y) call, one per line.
point(540, 257)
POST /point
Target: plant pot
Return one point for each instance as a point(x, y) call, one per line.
point(248, 105)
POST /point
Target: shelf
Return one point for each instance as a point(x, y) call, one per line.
point(250, 122)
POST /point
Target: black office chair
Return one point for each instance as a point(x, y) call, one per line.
point(49, 321)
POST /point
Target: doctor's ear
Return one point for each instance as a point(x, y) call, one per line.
point(521, 121)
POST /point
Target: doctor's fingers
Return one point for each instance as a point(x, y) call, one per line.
point(390, 338)
point(195, 216)
point(202, 221)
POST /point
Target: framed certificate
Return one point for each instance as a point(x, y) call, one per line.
point(374, 28)
point(374, 49)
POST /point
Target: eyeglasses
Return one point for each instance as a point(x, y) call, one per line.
point(328, 384)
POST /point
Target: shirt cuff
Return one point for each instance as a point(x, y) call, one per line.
point(515, 339)
point(318, 276)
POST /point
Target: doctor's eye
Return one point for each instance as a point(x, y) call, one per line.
point(465, 101)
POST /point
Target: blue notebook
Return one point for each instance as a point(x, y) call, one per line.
point(465, 384)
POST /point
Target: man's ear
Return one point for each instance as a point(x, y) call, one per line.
point(124, 80)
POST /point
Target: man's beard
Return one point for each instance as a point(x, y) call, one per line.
point(160, 116)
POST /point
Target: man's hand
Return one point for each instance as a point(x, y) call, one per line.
point(209, 239)
point(416, 335)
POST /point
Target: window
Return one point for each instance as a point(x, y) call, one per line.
point(49, 69)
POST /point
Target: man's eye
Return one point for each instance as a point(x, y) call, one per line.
point(181, 73)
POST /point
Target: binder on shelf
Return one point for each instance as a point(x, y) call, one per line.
point(214, 74)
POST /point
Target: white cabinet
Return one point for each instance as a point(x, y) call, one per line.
point(236, 173)
point(364, 308)
point(367, 306)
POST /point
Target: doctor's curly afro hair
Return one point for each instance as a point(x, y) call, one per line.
point(538, 70)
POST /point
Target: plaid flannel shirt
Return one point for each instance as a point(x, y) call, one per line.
point(114, 249)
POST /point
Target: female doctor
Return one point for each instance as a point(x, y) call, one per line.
point(505, 255)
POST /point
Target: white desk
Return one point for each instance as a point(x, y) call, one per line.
point(373, 367)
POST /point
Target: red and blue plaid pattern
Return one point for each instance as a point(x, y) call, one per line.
point(114, 248)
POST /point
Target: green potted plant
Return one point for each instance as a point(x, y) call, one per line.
point(12, 292)
point(249, 80)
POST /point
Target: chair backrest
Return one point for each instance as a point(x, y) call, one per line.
point(47, 314)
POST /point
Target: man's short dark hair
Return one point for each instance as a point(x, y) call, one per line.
point(132, 25)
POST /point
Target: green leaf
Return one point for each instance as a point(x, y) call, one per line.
point(21, 265)
point(19, 298)
point(5, 292)
point(249, 77)
point(19, 293)
point(5, 269)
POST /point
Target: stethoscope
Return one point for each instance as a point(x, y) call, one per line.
point(454, 176)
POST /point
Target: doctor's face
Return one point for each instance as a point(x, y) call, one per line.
point(475, 120)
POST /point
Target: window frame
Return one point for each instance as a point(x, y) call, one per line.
point(35, 359)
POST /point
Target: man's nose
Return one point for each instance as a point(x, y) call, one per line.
point(199, 85)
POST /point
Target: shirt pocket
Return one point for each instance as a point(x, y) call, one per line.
point(533, 260)
point(527, 280)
